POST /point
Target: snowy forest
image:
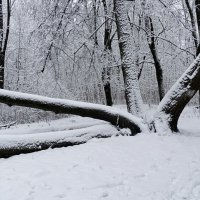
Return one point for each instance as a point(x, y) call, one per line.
point(100, 82)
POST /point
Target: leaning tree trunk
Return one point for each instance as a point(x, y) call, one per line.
point(61, 106)
point(14, 145)
point(170, 108)
point(129, 68)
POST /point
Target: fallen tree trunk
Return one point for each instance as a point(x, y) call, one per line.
point(11, 145)
point(61, 106)
point(8, 125)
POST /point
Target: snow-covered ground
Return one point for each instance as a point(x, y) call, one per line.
point(143, 167)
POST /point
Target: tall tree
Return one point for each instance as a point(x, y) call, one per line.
point(195, 32)
point(106, 73)
point(197, 6)
point(165, 119)
point(4, 34)
point(152, 46)
point(129, 68)
point(193, 24)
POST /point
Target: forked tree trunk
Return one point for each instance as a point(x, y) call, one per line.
point(152, 46)
point(129, 67)
point(170, 108)
point(165, 119)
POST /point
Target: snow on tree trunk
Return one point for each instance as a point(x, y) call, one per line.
point(114, 116)
point(129, 68)
point(14, 144)
point(170, 108)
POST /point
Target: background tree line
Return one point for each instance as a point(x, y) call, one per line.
point(69, 49)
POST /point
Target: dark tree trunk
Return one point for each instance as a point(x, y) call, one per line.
point(152, 47)
point(1, 48)
point(194, 31)
point(106, 74)
point(2, 61)
point(106, 86)
point(197, 5)
point(3, 40)
point(95, 21)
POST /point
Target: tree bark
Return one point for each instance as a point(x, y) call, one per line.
point(62, 106)
point(194, 31)
point(151, 42)
point(165, 119)
point(106, 85)
point(170, 108)
point(106, 74)
point(2, 63)
point(129, 68)
point(1, 47)
point(197, 5)
point(3, 40)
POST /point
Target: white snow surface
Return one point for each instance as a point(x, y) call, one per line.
point(143, 167)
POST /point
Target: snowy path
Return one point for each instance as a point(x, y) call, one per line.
point(144, 167)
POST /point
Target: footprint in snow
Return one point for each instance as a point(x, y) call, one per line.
point(104, 195)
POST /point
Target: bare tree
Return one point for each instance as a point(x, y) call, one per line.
point(197, 6)
point(106, 73)
point(152, 46)
point(165, 119)
point(129, 68)
point(4, 34)
point(193, 24)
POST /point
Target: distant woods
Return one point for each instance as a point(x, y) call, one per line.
point(69, 49)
